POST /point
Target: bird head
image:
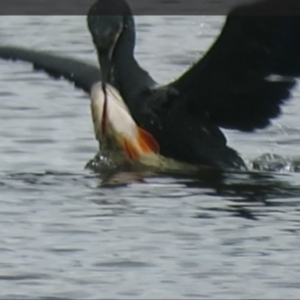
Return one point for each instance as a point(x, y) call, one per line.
point(105, 22)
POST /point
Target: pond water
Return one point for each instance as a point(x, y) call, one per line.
point(68, 233)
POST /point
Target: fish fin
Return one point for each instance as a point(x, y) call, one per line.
point(146, 141)
point(130, 150)
point(146, 144)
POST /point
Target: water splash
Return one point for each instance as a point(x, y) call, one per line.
point(275, 163)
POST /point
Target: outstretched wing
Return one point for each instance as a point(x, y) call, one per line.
point(234, 83)
point(83, 75)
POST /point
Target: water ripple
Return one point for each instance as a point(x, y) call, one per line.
point(69, 233)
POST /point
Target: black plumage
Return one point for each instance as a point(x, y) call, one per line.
point(82, 74)
point(239, 83)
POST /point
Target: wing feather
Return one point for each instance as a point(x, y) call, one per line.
point(232, 84)
point(82, 74)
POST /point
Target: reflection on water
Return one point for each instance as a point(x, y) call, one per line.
point(247, 192)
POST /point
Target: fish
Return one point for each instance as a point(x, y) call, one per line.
point(114, 125)
point(118, 133)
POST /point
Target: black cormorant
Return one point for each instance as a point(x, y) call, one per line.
point(232, 86)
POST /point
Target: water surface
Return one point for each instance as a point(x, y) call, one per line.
point(67, 233)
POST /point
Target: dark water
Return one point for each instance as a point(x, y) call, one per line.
point(69, 233)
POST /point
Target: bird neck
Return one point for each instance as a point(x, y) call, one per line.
point(127, 76)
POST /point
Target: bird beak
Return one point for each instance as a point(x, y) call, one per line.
point(105, 64)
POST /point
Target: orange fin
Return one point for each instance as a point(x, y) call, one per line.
point(147, 141)
point(146, 144)
point(131, 151)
